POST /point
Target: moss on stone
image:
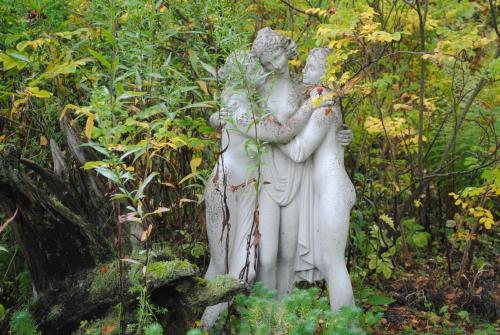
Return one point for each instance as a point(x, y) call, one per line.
point(55, 311)
point(110, 325)
point(170, 271)
point(221, 288)
point(104, 279)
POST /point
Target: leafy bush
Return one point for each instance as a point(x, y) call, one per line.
point(154, 329)
point(304, 311)
point(22, 323)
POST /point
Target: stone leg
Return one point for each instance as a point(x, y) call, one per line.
point(333, 216)
point(268, 245)
point(288, 246)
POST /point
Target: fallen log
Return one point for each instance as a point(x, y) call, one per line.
point(71, 257)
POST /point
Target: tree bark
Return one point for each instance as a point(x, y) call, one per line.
point(66, 241)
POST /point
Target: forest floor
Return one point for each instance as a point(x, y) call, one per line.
point(429, 300)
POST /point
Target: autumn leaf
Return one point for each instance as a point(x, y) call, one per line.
point(387, 220)
point(195, 163)
point(89, 125)
point(43, 141)
point(108, 329)
point(203, 86)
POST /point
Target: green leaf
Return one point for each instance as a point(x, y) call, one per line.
point(210, 69)
point(140, 191)
point(108, 36)
point(93, 165)
point(101, 59)
point(111, 175)
point(18, 56)
point(377, 300)
point(11, 63)
point(96, 147)
point(130, 94)
point(420, 239)
point(35, 91)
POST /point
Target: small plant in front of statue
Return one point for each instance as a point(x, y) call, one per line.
point(304, 311)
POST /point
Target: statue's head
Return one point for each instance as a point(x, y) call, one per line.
point(242, 70)
point(242, 74)
point(315, 65)
point(273, 50)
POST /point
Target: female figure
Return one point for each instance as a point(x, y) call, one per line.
point(233, 168)
point(334, 194)
point(280, 196)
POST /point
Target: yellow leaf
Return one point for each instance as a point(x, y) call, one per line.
point(172, 145)
point(402, 106)
point(203, 86)
point(488, 223)
point(43, 141)
point(150, 229)
point(89, 126)
point(387, 220)
point(124, 17)
point(380, 36)
point(36, 92)
point(168, 184)
point(195, 162)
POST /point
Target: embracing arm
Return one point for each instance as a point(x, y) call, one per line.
point(303, 145)
point(270, 130)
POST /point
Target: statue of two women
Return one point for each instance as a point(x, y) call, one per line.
point(305, 197)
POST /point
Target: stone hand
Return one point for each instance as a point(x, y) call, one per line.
point(344, 135)
point(328, 103)
point(324, 103)
point(219, 119)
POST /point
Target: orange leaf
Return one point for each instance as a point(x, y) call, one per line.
point(43, 141)
point(108, 329)
point(150, 229)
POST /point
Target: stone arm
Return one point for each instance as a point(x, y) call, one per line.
point(272, 131)
point(304, 144)
point(217, 119)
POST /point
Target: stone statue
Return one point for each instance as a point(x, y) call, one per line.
point(240, 193)
point(288, 199)
point(334, 194)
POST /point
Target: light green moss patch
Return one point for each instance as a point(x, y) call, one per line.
point(221, 288)
point(170, 270)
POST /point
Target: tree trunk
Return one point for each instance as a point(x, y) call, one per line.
point(57, 241)
point(65, 238)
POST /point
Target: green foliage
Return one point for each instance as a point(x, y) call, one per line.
point(21, 323)
point(154, 329)
point(139, 79)
point(304, 311)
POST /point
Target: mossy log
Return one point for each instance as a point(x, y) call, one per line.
point(172, 284)
point(69, 252)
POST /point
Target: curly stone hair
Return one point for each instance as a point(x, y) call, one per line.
point(319, 55)
point(269, 41)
